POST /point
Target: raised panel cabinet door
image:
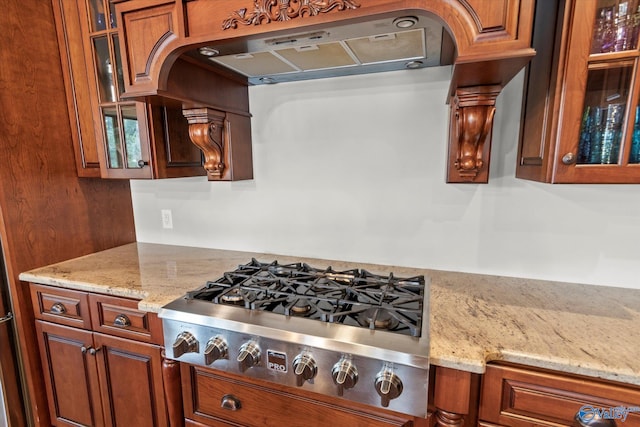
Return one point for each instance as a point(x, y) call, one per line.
point(527, 397)
point(70, 375)
point(130, 382)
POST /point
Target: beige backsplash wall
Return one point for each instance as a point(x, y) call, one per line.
point(353, 168)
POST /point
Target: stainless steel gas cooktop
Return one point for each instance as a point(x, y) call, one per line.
point(352, 334)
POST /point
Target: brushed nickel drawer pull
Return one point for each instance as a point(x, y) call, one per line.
point(230, 402)
point(122, 321)
point(58, 308)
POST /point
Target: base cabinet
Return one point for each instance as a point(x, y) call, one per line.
point(216, 399)
point(526, 397)
point(71, 376)
point(94, 378)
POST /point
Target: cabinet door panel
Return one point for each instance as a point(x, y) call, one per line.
point(525, 397)
point(71, 375)
point(131, 382)
point(207, 398)
point(77, 85)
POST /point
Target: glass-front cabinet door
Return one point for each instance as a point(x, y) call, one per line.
point(599, 118)
point(122, 132)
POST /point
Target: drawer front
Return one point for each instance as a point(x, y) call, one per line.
point(212, 399)
point(62, 306)
point(121, 317)
point(514, 396)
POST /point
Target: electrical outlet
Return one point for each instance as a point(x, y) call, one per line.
point(167, 220)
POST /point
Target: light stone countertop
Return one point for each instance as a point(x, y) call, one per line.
point(474, 319)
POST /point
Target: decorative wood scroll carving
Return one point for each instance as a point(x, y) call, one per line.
point(472, 111)
point(207, 132)
point(266, 11)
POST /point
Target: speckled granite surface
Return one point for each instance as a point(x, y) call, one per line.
point(474, 319)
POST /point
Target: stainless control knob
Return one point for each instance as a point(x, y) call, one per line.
point(185, 343)
point(388, 385)
point(216, 349)
point(249, 355)
point(345, 375)
point(305, 368)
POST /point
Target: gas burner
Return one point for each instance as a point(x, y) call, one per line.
point(233, 297)
point(300, 307)
point(352, 297)
point(377, 318)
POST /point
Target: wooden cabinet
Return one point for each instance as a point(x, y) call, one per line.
point(113, 137)
point(525, 397)
point(212, 398)
point(491, 37)
point(101, 359)
point(581, 116)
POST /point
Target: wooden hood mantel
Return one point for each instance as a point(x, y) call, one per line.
point(492, 44)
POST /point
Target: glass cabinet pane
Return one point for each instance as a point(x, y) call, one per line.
point(98, 16)
point(634, 155)
point(112, 15)
point(131, 136)
point(112, 137)
point(604, 114)
point(616, 26)
point(104, 68)
point(118, 69)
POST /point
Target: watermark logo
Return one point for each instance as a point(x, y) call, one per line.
point(588, 413)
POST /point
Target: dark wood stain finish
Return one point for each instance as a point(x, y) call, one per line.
point(47, 213)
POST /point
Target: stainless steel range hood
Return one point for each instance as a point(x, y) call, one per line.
point(404, 42)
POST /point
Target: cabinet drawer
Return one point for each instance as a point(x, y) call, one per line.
point(517, 396)
point(205, 391)
point(63, 306)
point(121, 317)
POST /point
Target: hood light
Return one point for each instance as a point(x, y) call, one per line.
point(412, 65)
point(208, 51)
point(267, 80)
point(405, 21)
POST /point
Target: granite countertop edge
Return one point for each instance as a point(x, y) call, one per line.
point(470, 325)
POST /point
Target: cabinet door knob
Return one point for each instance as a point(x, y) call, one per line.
point(586, 417)
point(142, 163)
point(121, 320)
point(569, 159)
point(84, 349)
point(230, 402)
point(93, 351)
point(58, 308)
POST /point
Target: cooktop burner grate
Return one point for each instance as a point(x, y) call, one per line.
point(352, 297)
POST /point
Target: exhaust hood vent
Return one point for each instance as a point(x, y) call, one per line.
point(374, 46)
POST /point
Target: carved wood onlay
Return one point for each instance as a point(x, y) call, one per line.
point(267, 11)
point(206, 130)
point(448, 419)
point(473, 110)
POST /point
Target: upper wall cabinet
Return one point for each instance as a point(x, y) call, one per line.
point(167, 43)
point(581, 117)
point(112, 137)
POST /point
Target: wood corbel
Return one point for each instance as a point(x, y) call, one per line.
point(206, 130)
point(225, 141)
point(472, 112)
